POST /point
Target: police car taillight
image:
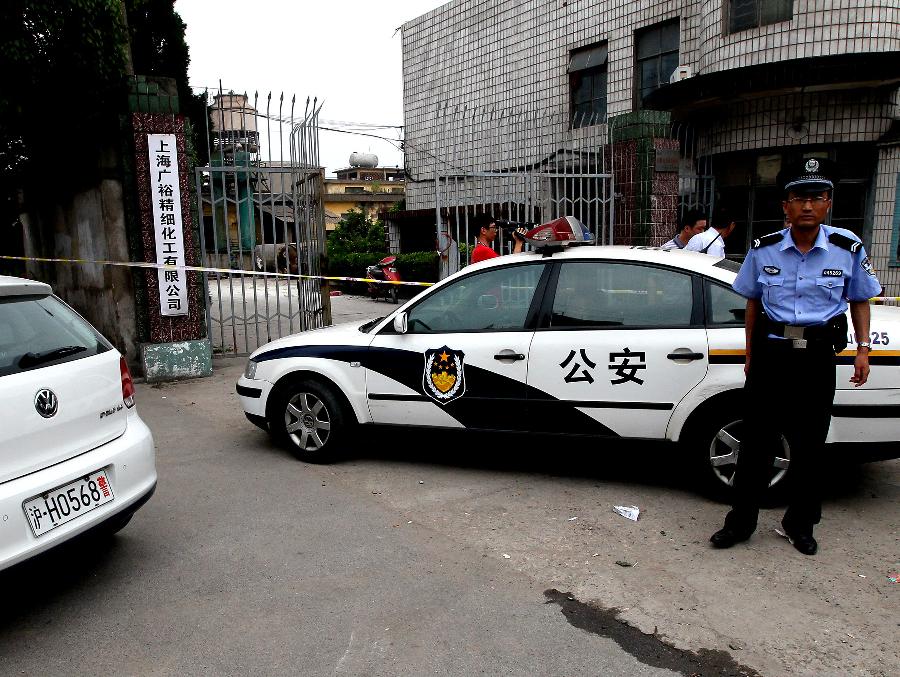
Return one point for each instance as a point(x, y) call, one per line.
point(561, 231)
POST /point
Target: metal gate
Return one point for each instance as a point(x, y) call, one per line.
point(524, 166)
point(262, 219)
point(696, 183)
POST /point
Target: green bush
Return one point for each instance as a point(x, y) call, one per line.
point(413, 267)
point(356, 233)
point(418, 266)
point(351, 265)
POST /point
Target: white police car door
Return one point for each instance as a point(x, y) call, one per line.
point(463, 361)
point(620, 346)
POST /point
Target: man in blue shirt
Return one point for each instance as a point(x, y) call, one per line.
point(798, 283)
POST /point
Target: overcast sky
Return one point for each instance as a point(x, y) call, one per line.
point(343, 51)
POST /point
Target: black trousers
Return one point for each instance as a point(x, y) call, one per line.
point(788, 391)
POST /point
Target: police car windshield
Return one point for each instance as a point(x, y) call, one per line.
point(727, 264)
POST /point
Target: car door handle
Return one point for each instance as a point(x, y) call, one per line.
point(685, 356)
point(511, 356)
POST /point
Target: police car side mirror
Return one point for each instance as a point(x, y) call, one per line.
point(400, 322)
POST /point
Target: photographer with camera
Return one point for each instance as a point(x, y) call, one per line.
point(487, 232)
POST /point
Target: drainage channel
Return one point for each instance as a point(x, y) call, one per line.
point(648, 649)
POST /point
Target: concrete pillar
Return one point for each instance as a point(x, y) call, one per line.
point(647, 189)
point(175, 346)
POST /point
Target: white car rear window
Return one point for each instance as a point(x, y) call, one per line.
point(37, 331)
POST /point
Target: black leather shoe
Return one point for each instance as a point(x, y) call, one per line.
point(803, 543)
point(725, 538)
point(801, 539)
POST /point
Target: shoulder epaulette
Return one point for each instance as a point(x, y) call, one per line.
point(845, 242)
point(766, 240)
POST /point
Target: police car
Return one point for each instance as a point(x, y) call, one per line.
point(609, 341)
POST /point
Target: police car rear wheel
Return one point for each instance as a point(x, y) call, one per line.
point(723, 449)
point(309, 420)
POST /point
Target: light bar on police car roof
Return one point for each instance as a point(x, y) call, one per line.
point(561, 231)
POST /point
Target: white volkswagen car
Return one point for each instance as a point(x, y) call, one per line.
point(616, 342)
point(74, 455)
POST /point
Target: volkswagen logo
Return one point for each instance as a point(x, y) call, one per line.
point(46, 403)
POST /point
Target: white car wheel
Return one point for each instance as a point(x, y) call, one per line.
point(307, 418)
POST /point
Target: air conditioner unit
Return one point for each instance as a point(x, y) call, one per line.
point(680, 73)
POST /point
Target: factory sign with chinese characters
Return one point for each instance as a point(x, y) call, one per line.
point(165, 199)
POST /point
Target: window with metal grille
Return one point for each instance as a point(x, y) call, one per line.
point(587, 85)
point(656, 57)
point(744, 14)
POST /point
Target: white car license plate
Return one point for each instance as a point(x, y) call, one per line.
point(61, 505)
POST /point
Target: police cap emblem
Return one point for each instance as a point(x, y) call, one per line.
point(810, 175)
point(444, 378)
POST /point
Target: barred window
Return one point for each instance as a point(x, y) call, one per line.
point(587, 85)
point(656, 57)
point(744, 14)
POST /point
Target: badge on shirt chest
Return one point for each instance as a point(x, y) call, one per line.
point(832, 272)
point(771, 270)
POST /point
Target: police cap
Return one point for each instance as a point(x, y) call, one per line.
point(808, 175)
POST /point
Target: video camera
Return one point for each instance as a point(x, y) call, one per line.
point(514, 228)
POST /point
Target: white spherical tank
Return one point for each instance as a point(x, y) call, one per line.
point(363, 160)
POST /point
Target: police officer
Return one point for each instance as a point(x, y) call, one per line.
point(797, 283)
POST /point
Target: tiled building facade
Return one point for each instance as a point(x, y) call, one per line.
point(764, 82)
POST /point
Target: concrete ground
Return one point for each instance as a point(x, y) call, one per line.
point(770, 607)
point(449, 554)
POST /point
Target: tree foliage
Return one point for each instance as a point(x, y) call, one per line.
point(357, 234)
point(63, 65)
point(158, 47)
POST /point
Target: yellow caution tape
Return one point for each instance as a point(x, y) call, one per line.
point(202, 269)
point(878, 300)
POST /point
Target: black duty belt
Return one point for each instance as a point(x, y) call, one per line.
point(800, 336)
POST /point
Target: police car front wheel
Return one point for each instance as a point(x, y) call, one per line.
point(309, 420)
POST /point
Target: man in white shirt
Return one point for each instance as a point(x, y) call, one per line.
point(712, 241)
point(692, 223)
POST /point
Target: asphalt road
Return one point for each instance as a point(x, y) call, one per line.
point(248, 562)
point(446, 555)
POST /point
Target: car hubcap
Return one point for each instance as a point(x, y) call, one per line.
point(307, 422)
point(725, 448)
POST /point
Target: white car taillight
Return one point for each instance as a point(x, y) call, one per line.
point(127, 384)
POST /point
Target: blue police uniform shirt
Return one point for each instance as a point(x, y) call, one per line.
point(806, 289)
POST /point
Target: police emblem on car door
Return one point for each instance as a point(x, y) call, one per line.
point(444, 378)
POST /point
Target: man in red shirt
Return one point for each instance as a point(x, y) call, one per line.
point(486, 235)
